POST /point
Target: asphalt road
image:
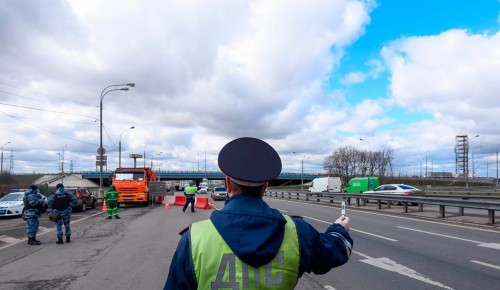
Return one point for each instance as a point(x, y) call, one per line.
point(390, 251)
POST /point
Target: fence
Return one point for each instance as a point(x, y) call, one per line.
point(442, 201)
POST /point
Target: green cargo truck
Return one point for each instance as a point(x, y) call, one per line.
point(362, 184)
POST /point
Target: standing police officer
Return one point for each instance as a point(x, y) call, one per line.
point(189, 192)
point(257, 247)
point(33, 203)
point(61, 203)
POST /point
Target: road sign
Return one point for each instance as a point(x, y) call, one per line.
point(101, 151)
point(98, 160)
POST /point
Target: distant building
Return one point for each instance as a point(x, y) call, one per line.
point(69, 180)
point(440, 174)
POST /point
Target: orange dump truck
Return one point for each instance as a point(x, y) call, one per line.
point(133, 184)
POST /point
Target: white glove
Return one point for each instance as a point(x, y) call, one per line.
point(343, 221)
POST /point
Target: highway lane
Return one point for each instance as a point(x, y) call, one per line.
point(390, 252)
point(393, 252)
point(13, 229)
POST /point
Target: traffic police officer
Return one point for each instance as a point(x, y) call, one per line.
point(33, 203)
point(257, 246)
point(189, 192)
point(61, 204)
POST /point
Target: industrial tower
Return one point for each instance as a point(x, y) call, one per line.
point(462, 155)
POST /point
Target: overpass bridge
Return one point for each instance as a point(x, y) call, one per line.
point(285, 178)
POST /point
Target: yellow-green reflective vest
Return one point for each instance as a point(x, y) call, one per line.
point(190, 190)
point(217, 267)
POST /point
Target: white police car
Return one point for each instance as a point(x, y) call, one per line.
point(12, 204)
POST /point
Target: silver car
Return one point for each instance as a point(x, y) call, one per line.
point(399, 189)
point(219, 193)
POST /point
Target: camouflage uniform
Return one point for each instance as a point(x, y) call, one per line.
point(111, 197)
point(32, 213)
point(62, 202)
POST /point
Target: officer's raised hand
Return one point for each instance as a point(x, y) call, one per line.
point(343, 221)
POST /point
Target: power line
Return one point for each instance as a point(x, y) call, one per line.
point(57, 134)
point(11, 86)
point(50, 111)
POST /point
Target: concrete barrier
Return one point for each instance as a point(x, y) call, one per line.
point(180, 200)
point(202, 203)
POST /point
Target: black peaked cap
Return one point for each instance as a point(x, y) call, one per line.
point(249, 159)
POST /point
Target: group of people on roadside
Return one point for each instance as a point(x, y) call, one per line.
point(60, 206)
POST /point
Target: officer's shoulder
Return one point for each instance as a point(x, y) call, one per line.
point(184, 230)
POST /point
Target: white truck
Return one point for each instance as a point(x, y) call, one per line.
point(326, 184)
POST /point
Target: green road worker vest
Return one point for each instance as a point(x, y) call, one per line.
point(217, 267)
point(111, 195)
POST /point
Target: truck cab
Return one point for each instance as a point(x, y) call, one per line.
point(133, 184)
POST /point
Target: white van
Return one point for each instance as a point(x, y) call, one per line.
point(326, 184)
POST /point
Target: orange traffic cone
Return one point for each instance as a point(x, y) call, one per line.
point(166, 202)
point(104, 208)
point(212, 205)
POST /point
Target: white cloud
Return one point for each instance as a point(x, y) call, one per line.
point(205, 72)
point(455, 76)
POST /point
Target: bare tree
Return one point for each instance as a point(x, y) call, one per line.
point(385, 162)
point(343, 163)
point(348, 162)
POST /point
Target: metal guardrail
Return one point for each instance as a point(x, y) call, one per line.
point(461, 202)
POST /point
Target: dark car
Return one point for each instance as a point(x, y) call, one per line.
point(85, 198)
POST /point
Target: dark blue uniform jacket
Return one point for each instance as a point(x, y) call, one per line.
point(254, 231)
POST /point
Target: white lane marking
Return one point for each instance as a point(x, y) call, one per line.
point(8, 239)
point(374, 235)
point(486, 264)
point(392, 266)
point(441, 235)
point(328, 287)
point(471, 227)
point(495, 246)
point(490, 245)
point(44, 230)
point(354, 230)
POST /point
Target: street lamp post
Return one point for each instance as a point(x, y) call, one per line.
point(301, 173)
point(58, 162)
point(496, 183)
point(474, 162)
point(62, 160)
point(1, 167)
point(157, 160)
point(159, 166)
point(369, 160)
point(420, 170)
point(426, 163)
point(120, 147)
point(467, 169)
point(101, 151)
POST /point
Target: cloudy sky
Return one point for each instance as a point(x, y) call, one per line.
point(305, 76)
